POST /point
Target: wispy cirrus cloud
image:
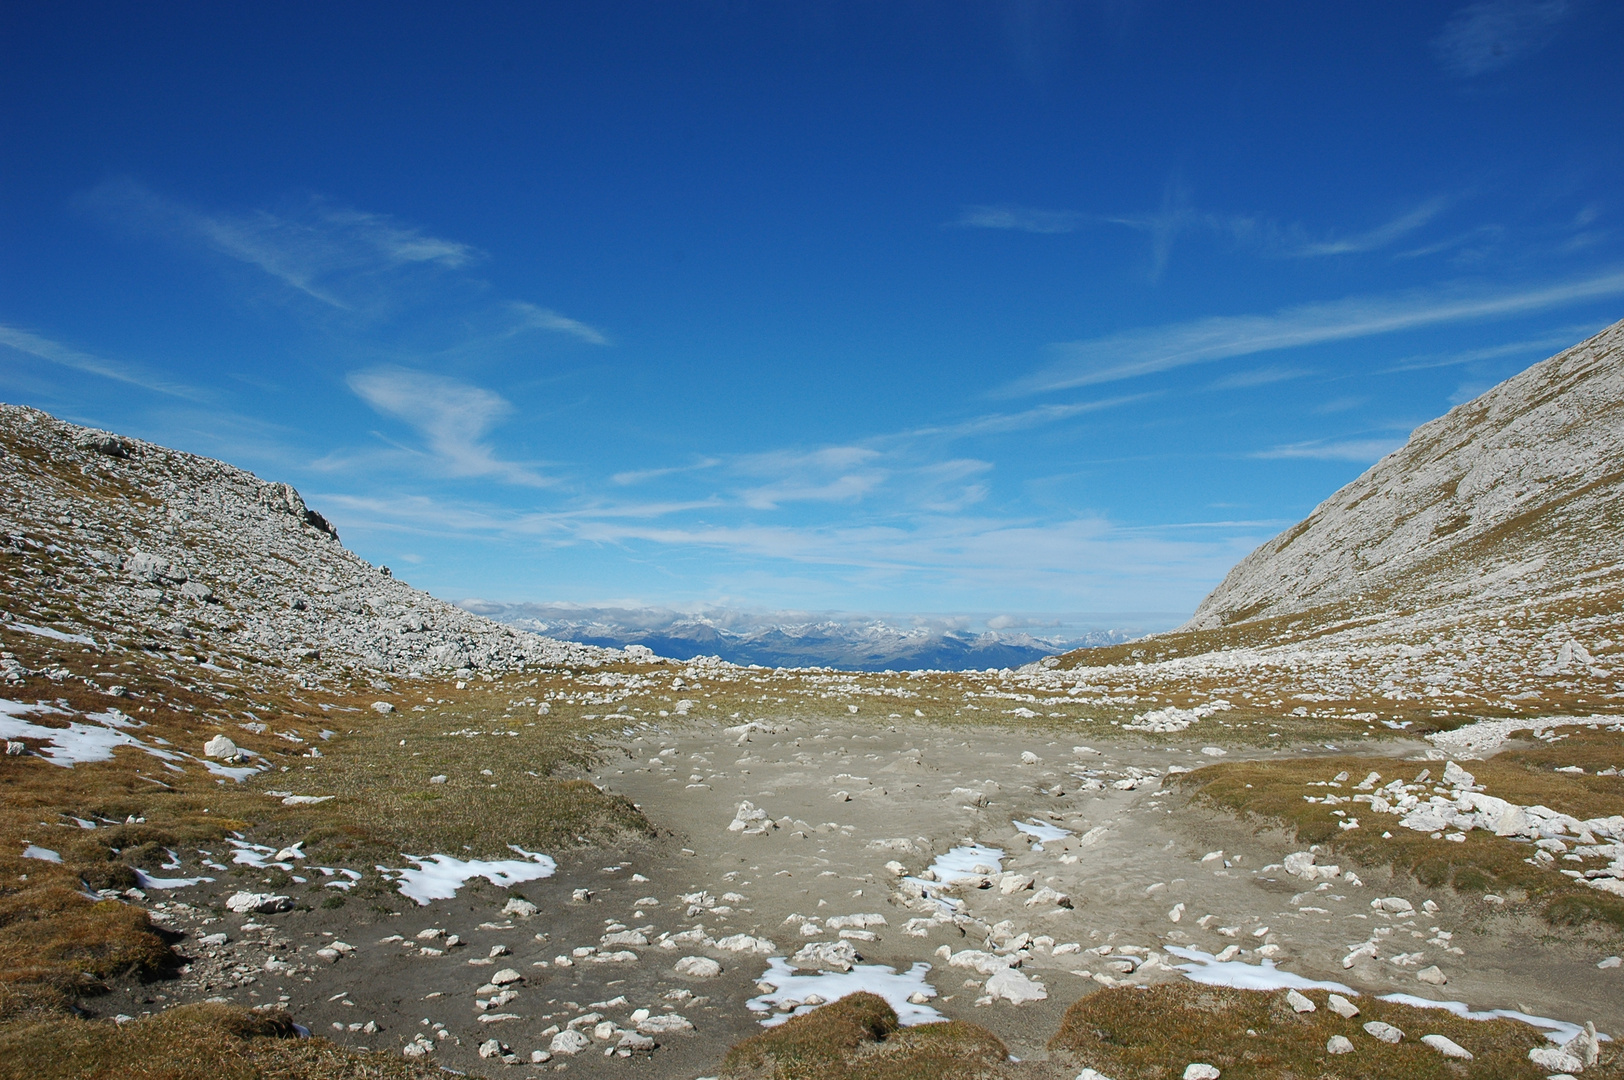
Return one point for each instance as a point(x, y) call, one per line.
point(828, 474)
point(532, 317)
point(1085, 559)
point(1178, 215)
point(32, 344)
point(1334, 449)
point(452, 417)
point(1264, 376)
point(349, 260)
point(1003, 423)
point(640, 476)
point(1021, 219)
point(1485, 37)
point(1381, 236)
point(317, 249)
point(1135, 353)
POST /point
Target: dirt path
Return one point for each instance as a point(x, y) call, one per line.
point(843, 817)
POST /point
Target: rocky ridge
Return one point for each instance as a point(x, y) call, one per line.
point(111, 537)
point(1511, 496)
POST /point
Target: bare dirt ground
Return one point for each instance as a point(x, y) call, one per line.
point(840, 799)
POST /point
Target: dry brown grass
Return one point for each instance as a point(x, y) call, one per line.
point(191, 1042)
point(858, 1038)
point(1273, 792)
point(1132, 1033)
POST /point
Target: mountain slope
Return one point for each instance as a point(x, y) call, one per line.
point(1512, 495)
point(123, 540)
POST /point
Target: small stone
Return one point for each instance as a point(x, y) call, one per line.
point(540, 1057)
point(604, 1030)
point(1299, 1003)
point(836, 955)
point(490, 1048)
point(382, 707)
point(1342, 1006)
point(1387, 1033)
point(506, 977)
point(519, 907)
point(221, 747)
point(1338, 1044)
point(569, 1042)
point(664, 1024)
point(1447, 1047)
point(1200, 1070)
point(1014, 987)
point(1432, 976)
point(264, 903)
point(698, 967)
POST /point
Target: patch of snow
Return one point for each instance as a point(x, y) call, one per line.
point(1208, 970)
point(1042, 830)
point(790, 987)
point(438, 877)
point(960, 862)
point(146, 881)
point(55, 635)
point(1558, 1031)
point(44, 854)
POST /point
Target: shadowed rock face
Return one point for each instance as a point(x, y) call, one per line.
point(1511, 496)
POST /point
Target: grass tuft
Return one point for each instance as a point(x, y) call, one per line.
point(1133, 1033)
point(189, 1042)
point(858, 1038)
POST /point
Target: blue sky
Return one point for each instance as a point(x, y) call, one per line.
point(910, 307)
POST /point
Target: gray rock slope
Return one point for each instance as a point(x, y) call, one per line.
point(165, 550)
point(1510, 497)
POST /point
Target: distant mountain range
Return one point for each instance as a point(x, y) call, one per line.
point(801, 639)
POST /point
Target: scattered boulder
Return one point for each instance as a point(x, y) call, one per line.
point(1552, 1059)
point(221, 747)
point(1200, 1070)
point(698, 967)
point(518, 906)
point(1014, 987)
point(260, 903)
point(1338, 1044)
point(1447, 1047)
point(1299, 1003)
point(1432, 976)
point(1387, 1033)
point(569, 1042)
point(664, 1024)
point(826, 955)
point(751, 820)
point(745, 943)
point(1013, 883)
point(1301, 864)
point(1342, 1006)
